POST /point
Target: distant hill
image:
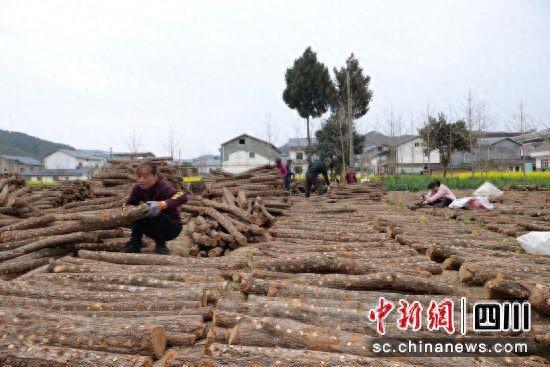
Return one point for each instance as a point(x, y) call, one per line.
point(375, 138)
point(15, 143)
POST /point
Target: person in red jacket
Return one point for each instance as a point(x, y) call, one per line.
point(163, 222)
point(351, 176)
point(284, 171)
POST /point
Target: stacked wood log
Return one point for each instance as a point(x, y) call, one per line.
point(264, 181)
point(368, 191)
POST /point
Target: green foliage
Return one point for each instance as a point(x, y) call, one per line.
point(308, 87)
point(446, 137)
point(420, 182)
point(361, 95)
point(330, 137)
point(15, 143)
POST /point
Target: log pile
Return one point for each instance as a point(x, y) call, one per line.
point(369, 191)
point(264, 181)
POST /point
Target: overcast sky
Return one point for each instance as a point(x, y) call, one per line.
point(86, 73)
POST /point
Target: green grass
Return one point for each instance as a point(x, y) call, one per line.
point(41, 183)
point(465, 181)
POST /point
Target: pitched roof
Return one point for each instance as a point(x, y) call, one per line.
point(81, 154)
point(250, 136)
point(542, 148)
point(24, 160)
point(56, 172)
point(493, 141)
point(300, 142)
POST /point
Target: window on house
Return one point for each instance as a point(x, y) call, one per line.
point(241, 141)
point(417, 144)
point(300, 155)
point(379, 149)
point(252, 155)
point(545, 163)
point(298, 170)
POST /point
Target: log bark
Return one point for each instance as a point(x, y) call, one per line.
point(233, 355)
point(228, 197)
point(228, 225)
point(29, 223)
point(114, 218)
point(22, 353)
point(540, 298)
point(150, 259)
point(148, 340)
point(504, 289)
point(51, 241)
point(24, 263)
point(241, 200)
point(18, 235)
point(241, 214)
point(274, 332)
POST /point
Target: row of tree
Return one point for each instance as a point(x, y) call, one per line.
point(312, 92)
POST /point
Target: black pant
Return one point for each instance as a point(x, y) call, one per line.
point(441, 203)
point(316, 183)
point(287, 182)
point(161, 228)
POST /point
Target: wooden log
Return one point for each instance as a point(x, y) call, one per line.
point(376, 281)
point(476, 273)
point(216, 252)
point(148, 340)
point(285, 333)
point(23, 353)
point(228, 225)
point(278, 288)
point(540, 298)
point(332, 263)
point(504, 289)
point(114, 218)
point(18, 235)
point(241, 200)
point(24, 263)
point(44, 289)
point(51, 241)
point(233, 355)
point(83, 305)
point(150, 259)
point(29, 223)
point(228, 197)
point(241, 214)
point(203, 239)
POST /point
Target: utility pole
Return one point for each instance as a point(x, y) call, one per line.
point(522, 128)
point(470, 127)
point(450, 138)
point(429, 136)
point(350, 124)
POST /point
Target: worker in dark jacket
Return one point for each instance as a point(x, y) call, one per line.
point(289, 174)
point(314, 170)
point(163, 222)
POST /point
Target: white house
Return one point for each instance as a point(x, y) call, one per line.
point(206, 163)
point(541, 154)
point(409, 158)
point(245, 152)
point(51, 175)
point(18, 164)
point(297, 152)
point(74, 159)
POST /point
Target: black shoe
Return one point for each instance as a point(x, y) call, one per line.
point(162, 249)
point(131, 248)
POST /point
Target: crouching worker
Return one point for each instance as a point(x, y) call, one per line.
point(163, 221)
point(439, 195)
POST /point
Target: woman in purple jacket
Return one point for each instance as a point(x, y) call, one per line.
point(163, 221)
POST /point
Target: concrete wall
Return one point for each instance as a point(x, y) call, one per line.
point(9, 166)
point(237, 157)
point(504, 149)
point(62, 160)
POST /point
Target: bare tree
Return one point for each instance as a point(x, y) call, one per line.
point(133, 142)
point(171, 144)
point(270, 134)
point(483, 122)
point(522, 123)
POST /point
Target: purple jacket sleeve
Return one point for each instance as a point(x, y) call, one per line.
point(132, 198)
point(174, 198)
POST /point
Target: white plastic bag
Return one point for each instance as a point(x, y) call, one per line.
point(475, 202)
point(535, 243)
point(488, 190)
